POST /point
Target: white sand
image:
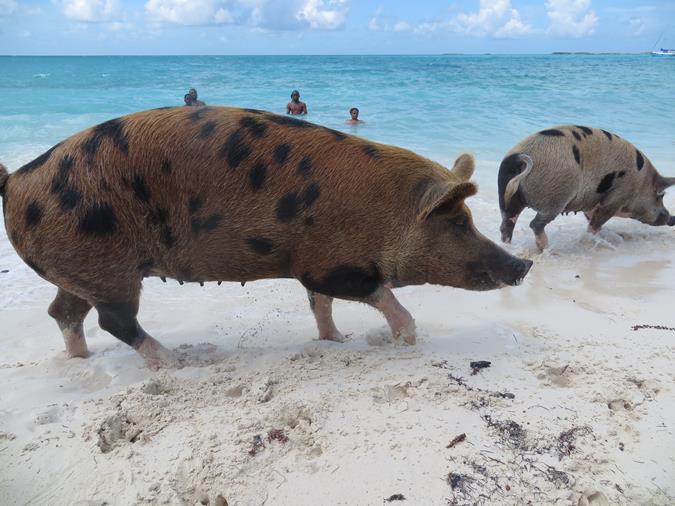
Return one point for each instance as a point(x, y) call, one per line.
point(591, 420)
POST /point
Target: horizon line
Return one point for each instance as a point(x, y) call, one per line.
point(485, 53)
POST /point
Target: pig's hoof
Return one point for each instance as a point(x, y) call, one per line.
point(163, 362)
point(334, 336)
point(407, 333)
point(78, 353)
point(76, 345)
point(542, 241)
point(156, 356)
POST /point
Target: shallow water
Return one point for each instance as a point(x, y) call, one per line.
point(434, 105)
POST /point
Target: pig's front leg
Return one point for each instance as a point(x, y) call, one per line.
point(399, 319)
point(322, 307)
point(599, 216)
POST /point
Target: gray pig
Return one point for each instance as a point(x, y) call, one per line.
point(576, 168)
point(219, 194)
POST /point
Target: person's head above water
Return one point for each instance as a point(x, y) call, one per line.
point(354, 113)
point(193, 93)
point(188, 99)
point(295, 95)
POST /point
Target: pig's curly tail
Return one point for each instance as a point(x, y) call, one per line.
point(512, 186)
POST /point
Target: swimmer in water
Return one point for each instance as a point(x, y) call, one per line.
point(354, 113)
point(296, 107)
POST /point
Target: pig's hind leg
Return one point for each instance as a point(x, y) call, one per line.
point(69, 312)
point(400, 321)
point(510, 217)
point(322, 307)
point(119, 318)
point(538, 224)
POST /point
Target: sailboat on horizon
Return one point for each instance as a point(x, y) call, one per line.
point(662, 51)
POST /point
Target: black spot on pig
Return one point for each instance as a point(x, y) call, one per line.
point(257, 175)
point(207, 129)
point(167, 237)
point(346, 281)
point(68, 196)
point(640, 160)
point(290, 122)
point(38, 162)
point(621, 174)
point(371, 151)
point(261, 245)
point(576, 135)
point(35, 267)
point(235, 150)
point(112, 130)
point(309, 221)
point(119, 318)
point(256, 127)
point(609, 136)
point(166, 167)
point(141, 191)
point(198, 114)
point(281, 153)
point(305, 167)
point(585, 130)
point(34, 214)
point(577, 155)
point(552, 133)
point(99, 220)
point(145, 266)
point(337, 134)
point(207, 225)
point(288, 207)
point(195, 203)
point(159, 216)
point(606, 182)
point(310, 194)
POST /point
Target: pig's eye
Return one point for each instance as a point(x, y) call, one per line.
point(460, 222)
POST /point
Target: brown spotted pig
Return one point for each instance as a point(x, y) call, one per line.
point(220, 194)
point(577, 168)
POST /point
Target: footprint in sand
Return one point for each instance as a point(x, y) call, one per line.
point(593, 498)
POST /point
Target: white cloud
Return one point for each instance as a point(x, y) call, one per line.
point(637, 25)
point(571, 18)
point(495, 18)
point(7, 8)
point(387, 23)
point(323, 15)
point(401, 26)
point(188, 12)
point(91, 11)
point(374, 23)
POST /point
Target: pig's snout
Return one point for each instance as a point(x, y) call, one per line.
point(497, 272)
point(519, 268)
point(664, 219)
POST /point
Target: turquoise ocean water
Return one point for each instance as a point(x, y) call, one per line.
point(434, 105)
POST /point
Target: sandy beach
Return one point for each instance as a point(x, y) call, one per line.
point(576, 407)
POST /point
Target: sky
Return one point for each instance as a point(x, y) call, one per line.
point(184, 27)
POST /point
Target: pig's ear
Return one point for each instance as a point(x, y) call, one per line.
point(445, 199)
point(662, 183)
point(464, 167)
